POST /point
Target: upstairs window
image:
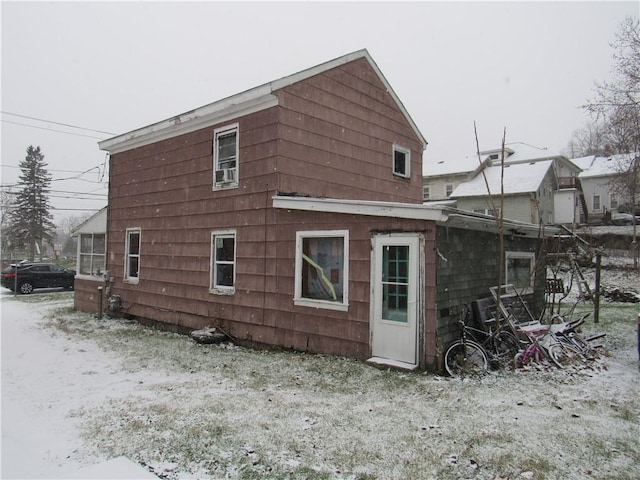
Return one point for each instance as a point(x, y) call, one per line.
point(132, 255)
point(426, 193)
point(223, 262)
point(225, 157)
point(92, 254)
point(401, 161)
point(448, 190)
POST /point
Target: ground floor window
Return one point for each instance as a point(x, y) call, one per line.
point(223, 262)
point(321, 277)
point(92, 254)
point(520, 269)
point(132, 255)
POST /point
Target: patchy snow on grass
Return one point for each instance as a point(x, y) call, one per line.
point(78, 391)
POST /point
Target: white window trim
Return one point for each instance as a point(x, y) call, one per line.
point(93, 255)
point(426, 192)
point(129, 231)
point(593, 202)
point(527, 255)
point(298, 299)
point(407, 153)
point(216, 133)
point(222, 289)
point(446, 187)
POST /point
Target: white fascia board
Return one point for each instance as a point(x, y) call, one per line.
point(251, 101)
point(359, 207)
point(443, 216)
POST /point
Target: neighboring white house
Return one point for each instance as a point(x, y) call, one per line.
point(91, 246)
point(538, 186)
point(596, 178)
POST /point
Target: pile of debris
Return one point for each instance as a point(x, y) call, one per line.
point(208, 335)
point(617, 294)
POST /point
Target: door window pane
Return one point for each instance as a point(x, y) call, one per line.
point(395, 283)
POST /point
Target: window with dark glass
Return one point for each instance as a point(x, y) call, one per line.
point(223, 262)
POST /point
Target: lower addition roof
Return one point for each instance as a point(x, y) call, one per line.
point(441, 215)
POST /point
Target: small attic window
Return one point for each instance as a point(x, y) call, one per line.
point(494, 156)
point(401, 161)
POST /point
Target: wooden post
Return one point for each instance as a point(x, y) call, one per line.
point(100, 303)
point(596, 294)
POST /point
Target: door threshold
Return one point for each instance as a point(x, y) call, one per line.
point(380, 362)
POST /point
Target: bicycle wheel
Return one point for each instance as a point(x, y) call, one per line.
point(563, 355)
point(506, 347)
point(466, 358)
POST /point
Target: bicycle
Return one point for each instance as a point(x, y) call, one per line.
point(477, 349)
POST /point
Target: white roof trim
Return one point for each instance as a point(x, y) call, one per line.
point(225, 110)
point(358, 207)
point(245, 103)
point(442, 215)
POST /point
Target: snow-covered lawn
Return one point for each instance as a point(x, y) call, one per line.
point(77, 391)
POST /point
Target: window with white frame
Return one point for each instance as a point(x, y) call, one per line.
point(225, 157)
point(596, 203)
point(448, 190)
point(322, 269)
point(132, 255)
point(91, 254)
point(426, 192)
point(401, 161)
point(520, 269)
point(613, 199)
point(223, 262)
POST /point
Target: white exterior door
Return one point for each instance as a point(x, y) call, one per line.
point(395, 279)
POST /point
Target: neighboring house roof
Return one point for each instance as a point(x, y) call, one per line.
point(518, 178)
point(583, 162)
point(250, 101)
point(516, 152)
point(605, 166)
point(96, 223)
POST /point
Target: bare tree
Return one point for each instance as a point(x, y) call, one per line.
point(617, 106)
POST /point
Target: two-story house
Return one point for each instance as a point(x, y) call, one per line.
point(598, 178)
point(291, 214)
point(536, 186)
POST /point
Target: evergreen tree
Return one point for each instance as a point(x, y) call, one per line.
point(30, 221)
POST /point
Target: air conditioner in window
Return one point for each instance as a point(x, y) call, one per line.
point(225, 175)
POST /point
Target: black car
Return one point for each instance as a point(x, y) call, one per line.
point(37, 275)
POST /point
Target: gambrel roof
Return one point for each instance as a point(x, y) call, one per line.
point(518, 178)
point(250, 101)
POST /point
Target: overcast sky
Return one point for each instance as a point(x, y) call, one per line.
point(118, 66)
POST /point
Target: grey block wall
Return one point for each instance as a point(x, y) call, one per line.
point(467, 266)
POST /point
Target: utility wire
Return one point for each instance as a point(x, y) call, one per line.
point(56, 123)
point(54, 130)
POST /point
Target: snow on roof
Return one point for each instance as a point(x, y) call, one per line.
point(583, 162)
point(515, 152)
point(447, 167)
point(602, 166)
point(518, 178)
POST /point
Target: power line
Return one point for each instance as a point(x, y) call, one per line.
point(53, 130)
point(56, 123)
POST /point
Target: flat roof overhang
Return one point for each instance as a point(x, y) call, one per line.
point(441, 215)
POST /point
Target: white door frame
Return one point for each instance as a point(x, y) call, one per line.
point(394, 343)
